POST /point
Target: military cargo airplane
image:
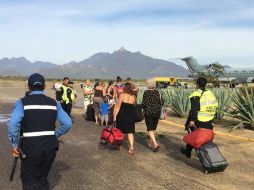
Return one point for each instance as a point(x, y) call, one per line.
point(226, 75)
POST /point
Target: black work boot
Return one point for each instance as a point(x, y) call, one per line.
point(186, 152)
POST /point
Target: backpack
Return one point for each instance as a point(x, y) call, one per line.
point(90, 113)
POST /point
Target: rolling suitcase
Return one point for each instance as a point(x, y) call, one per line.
point(211, 158)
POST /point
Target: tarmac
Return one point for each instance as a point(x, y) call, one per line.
point(83, 164)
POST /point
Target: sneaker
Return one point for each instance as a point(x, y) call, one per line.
point(186, 152)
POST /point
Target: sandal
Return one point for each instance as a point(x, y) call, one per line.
point(155, 149)
point(149, 144)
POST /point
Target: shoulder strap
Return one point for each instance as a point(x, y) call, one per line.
point(203, 93)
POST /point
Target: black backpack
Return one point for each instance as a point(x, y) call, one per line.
point(90, 113)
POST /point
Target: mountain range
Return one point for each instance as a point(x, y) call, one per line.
point(21, 66)
point(100, 65)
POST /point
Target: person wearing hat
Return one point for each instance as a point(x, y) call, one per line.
point(63, 98)
point(203, 109)
point(72, 95)
point(38, 115)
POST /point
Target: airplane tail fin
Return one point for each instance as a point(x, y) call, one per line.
point(193, 65)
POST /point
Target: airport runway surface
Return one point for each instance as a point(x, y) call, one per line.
point(82, 164)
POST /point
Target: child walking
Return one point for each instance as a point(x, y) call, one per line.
point(104, 111)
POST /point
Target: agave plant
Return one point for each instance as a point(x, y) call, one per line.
point(243, 108)
point(178, 101)
point(224, 100)
point(140, 95)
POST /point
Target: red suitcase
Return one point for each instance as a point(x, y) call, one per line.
point(112, 135)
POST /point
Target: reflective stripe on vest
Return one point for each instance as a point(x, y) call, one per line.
point(38, 134)
point(208, 105)
point(40, 107)
point(64, 96)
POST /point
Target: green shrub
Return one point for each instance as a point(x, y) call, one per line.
point(140, 95)
point(243, 107)
point(224, 100)
point(178, 101)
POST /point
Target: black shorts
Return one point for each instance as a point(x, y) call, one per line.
point(151, 123)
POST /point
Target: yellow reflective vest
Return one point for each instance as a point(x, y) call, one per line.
point(64, 96)
point(73, 95)
point(208, 105)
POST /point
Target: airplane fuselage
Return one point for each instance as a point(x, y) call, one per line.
point(238, 75)
point(235, 76)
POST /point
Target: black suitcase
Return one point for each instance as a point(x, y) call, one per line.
point(211, 158)
point(90, 113)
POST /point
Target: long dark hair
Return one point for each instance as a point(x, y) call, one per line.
point(128, 89)
point(109, 84)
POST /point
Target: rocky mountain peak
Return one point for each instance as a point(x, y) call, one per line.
point(121, 50)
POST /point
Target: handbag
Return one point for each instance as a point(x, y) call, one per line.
point(139, 115)
point(163, 113)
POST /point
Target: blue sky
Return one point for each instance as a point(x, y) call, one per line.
point(63, 31)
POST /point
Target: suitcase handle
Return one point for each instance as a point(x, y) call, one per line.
point(188, 129)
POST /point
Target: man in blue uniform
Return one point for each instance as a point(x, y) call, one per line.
point(38, 114)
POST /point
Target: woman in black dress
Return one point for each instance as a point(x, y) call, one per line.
point(125, 114)
point(152, 104)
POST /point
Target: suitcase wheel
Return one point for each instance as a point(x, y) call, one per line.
point(104, 142)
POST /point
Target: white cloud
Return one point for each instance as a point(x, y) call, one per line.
point(73, 31)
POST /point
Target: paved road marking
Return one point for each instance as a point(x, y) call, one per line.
point(216, 133)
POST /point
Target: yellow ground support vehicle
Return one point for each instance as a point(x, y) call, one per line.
point(164, 82)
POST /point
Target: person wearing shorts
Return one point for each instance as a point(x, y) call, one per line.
point(99, 94)
point(104, 111)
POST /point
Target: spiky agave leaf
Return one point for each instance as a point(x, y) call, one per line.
point(140, 95)
point(243, 108)
point(224, 100)
point(178, 101)
point(167, 96)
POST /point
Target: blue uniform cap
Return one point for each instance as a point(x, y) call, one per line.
point(36, 80)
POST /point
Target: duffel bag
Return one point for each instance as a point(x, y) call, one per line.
point(112, 135)
point(199, 137)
